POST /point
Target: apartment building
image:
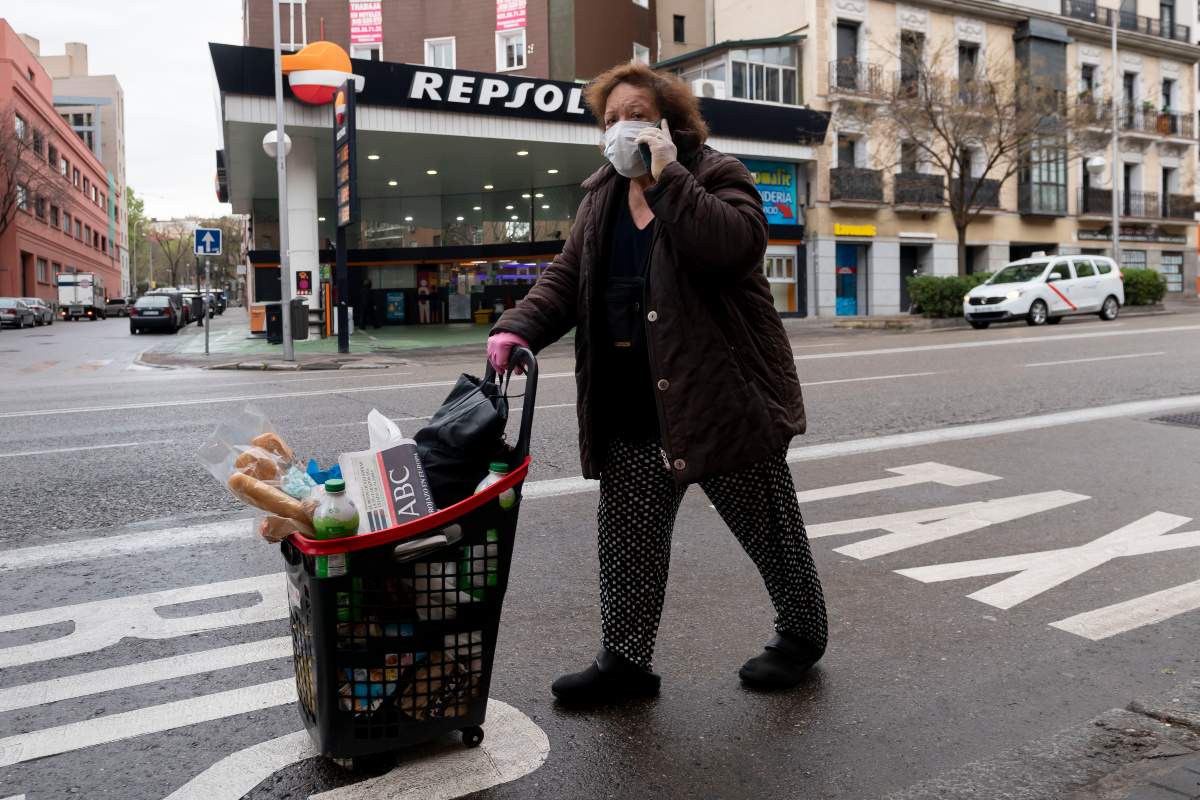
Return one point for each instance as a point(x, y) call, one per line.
point(870, 222)
point(94, 107)
point(558, 39)
point(63, 221)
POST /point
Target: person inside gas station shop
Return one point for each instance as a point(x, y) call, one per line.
point(684, 375)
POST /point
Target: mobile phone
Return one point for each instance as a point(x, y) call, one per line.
point(644, 150)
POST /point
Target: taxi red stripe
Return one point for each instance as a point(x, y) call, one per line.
point(1054, 289)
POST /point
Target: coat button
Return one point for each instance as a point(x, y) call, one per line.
point(652, 316)
point(663, 385)
point(680, 464)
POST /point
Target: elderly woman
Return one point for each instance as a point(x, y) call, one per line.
point(684, 375)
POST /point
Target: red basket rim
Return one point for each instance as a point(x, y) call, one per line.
point(438, 519)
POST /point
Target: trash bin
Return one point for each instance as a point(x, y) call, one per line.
point(399, 650)
point(274, 323)
point(299, 318)
point(198, 310)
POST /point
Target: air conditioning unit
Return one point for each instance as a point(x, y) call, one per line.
point(704, 87)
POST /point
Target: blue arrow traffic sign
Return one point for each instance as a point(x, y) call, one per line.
point(208, 241)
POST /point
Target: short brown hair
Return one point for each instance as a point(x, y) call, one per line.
point(673, 97)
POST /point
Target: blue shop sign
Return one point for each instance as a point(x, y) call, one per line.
point(776, 182)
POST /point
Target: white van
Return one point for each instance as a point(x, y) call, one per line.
point(1043, 289)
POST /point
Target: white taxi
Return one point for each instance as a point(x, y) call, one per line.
point(1043, 289)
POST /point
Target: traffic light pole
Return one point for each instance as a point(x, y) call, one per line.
point(341, 276)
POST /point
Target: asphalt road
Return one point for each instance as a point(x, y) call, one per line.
point(1055, 425)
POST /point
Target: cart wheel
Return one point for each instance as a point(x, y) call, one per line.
point(472, 737)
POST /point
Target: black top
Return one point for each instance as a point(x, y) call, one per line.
point(627, 407)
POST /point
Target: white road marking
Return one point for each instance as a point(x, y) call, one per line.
point(514, 746)
point(102, 623)
point(15, 797)
point(981, 430)
point(558, 487)
point(153, 719)
point(1098, 358)
point(914, 528)
point(1041, 571)
point(278, 378)
point(871, 378)
point(161, 669)
point(245, 398)
point(125, 544)
point(1044, 339)
point(237, 773)
point(911, 475)
point(83, 449)
point(1150, 609)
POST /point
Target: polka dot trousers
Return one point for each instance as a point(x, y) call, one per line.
point(638, 503)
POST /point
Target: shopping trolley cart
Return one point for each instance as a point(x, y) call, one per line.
point(400, 649)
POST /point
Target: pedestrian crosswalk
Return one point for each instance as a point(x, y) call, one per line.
point(168, 647)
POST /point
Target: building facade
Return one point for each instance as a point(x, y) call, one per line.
point(63, 221)
point(558, 39)
point(872, 221)
point(94, 107)
point(465, 195)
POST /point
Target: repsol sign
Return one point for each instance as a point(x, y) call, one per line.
point(542, 97)
point(414, 86)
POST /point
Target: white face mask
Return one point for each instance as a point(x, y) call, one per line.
point(621, 148)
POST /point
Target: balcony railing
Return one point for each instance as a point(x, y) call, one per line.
point(919, 189)
point(1143, 205)
point(1041, 199)
point(1095, 201)
point(986, 196)
point(1163, 123)
point(856, 185)
point(855, 77)
point(1179, 206)
point(1089, 11)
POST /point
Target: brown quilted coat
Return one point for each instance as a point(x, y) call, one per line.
point(725, 380)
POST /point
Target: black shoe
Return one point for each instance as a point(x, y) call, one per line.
point(783, 663)
point(611, 678)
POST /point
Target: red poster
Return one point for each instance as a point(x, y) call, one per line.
point(510, 14)
point(366, 22)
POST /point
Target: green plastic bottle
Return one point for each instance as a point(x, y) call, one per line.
point(335, 518)
point(497, 471)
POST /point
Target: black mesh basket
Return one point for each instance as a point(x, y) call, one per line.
point(398, 652)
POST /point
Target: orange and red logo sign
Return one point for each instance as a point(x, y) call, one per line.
point(316, 72)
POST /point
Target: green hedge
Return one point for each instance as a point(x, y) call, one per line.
point(937, 296)
point(1143, 287)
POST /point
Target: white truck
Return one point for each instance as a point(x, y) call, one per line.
point(80, 296)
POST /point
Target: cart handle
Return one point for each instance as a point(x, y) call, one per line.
point(521, 358)
point(407, 530)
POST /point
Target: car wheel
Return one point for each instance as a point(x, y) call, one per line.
point(1110, 309)
point(1053, 320)
point(979, 325)
point(1038, 313)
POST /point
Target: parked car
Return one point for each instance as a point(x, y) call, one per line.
point(42, 310)
point(184, 307)
point(116, 307)
point(156, 312)
point(1044, 289)
point(15, 313)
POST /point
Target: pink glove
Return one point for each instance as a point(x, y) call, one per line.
point(499, 350)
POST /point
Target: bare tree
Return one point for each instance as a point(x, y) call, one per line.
point(174, 241)
point(979, 124)
point(27, 181)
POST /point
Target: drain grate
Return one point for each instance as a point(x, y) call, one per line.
point(1189, 420)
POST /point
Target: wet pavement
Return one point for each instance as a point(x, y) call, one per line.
point(954, 484)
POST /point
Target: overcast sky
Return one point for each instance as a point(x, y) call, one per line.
point(158, 49)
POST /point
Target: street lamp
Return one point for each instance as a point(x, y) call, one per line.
point(1095, 167)
point(268, 144)
point(285, 261)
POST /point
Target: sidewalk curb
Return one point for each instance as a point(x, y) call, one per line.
point(919, 323)
point(297, 366)
point(1119, 754)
